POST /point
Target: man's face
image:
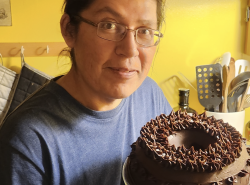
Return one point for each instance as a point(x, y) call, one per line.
point(114, 70)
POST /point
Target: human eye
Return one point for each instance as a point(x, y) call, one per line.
point(145, 31)
point(108, 25)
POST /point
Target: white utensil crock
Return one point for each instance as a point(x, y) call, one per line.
point(235, 119)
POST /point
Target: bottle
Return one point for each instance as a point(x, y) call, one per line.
point(183, 101)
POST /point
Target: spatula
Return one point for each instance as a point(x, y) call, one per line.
point(247, 102)
point(241, 65)
point(209, 85)
point(244, 76)
point(244, 97)
point(234, 94)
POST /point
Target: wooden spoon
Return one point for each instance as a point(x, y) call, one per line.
point(231, 74)
point(225, 87)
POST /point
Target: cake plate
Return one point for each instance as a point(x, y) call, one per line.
point(125, 175)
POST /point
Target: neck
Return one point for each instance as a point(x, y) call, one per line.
point(79, 90)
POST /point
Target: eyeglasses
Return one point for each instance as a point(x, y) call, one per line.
point(112, 31)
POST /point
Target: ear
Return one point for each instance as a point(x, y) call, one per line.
point(66, 30)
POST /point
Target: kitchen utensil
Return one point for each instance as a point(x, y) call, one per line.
point(239, 78)
point(244, 97)
point(233, 95)
point(235, 87)
point(209, 85)
point(224, 59)
point(247, 102)
point(241, 66)
point(231, 74)
point(225, 73)
point(229, 61)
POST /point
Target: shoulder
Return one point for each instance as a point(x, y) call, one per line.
point(149, 88)
point(20, 126)
point(28, 128)
point(42, 102)
point(25, 140)
point(150, 95)
point(149, 82)
point(27, 118)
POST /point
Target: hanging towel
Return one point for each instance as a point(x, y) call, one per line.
point(29, 80)
point(7, 79)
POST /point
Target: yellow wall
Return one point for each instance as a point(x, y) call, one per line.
point(196, 33)
point(34, 21)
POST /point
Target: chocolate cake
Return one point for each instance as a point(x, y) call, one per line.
point(188, 149)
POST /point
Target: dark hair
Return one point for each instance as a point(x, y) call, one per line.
point(74, 7)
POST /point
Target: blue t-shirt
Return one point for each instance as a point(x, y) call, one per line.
point(52, 139)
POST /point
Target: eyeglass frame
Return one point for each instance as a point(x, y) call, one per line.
point(127, 29)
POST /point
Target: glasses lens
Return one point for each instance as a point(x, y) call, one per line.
point(147, 37)
point(111, 31)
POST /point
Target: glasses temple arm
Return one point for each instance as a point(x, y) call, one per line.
point(85, 20)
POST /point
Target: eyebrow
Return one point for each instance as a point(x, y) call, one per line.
point(116, 14)
point(109, 10)
point(146, 22)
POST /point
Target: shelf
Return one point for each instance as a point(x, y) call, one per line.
point(36, 49)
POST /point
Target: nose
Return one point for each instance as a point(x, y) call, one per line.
point(128, 46)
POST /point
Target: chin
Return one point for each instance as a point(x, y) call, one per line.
point(122, 90)
point(121, 95)
point(124, 93)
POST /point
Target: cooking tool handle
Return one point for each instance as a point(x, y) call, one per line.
point(224, 87)
point(231, 74)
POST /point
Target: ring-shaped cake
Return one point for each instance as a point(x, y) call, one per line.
point(180, 148)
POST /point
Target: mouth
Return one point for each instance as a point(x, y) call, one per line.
point(124, 72)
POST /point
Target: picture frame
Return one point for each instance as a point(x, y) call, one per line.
point(5, 13)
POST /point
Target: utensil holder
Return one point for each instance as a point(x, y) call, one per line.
point(235, 119)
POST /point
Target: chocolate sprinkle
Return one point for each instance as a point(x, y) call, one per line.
point(248, 150)
point(242, 173)
point(231, 180)
point(154, 141)
point(248, 162)
point(217, 183)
